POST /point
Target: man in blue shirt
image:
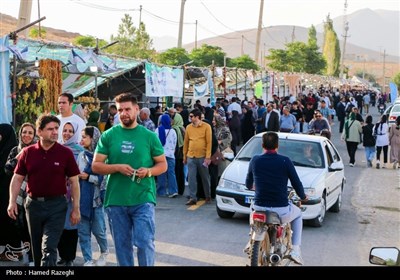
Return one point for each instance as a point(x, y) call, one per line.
point(269, 174)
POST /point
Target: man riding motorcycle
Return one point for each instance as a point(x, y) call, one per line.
point(269, 173)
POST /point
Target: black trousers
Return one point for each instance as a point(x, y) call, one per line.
point(46, 224)
point(351, 150)
point(68, 244)
point(180, 176)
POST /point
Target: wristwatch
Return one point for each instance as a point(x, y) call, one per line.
point(149, 172)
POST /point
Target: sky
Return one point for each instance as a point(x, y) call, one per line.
point(100, 18)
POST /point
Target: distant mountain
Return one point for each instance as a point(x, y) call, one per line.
point(370, 31)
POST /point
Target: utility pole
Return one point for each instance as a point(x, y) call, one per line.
point(140, 14)
point(293, 34)
point(24, 16)
point(346, 29)
point(242, 50)
point(259, 31)
point(383, 71)
point(40, 30)
point(195, 36)
point(181, 24)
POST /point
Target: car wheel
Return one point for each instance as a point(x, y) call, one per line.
point(224, 214)
point(318, 221)
point(338, 204)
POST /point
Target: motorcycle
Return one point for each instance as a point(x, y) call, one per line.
point(381, 108)
point(271, 240)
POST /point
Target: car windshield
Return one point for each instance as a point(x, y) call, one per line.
point(302, 153)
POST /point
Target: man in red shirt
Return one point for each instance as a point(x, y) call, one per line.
point(48, 166)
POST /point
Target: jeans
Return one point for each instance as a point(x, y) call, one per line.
point(290, 213)
point(167, 180)
point(369, 153)
point(97, 225)
point(137, 223)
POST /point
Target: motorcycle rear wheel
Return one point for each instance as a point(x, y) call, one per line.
point(259, 251)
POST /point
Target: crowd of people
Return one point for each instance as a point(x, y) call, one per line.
point(82, 170)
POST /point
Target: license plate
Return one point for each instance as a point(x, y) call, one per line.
point(248, 199)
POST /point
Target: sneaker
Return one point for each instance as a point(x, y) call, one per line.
point(395, 165)
point(384, 165)
point(31, 264)
point(369, 163)
point(208, 200)
point(378, 165)
point(102, 260)
point(173, 195)
point(296, 257)
point(191, 202)
point(89, 263)
point(351, 164)
point(69, 263)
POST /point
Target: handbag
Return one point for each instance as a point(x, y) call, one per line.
point(217, 157)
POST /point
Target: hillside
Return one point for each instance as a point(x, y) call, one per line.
point(362, 48)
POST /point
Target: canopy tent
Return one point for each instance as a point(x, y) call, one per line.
point(77, 78)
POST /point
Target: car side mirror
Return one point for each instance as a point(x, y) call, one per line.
point(385, 256)
point(336, 166)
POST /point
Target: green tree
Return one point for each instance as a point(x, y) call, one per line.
point(125, 37)
point(331, 49)
point(396, 80)
point(244, 62)
point(88, 41)
point(204, 56)
point(142, 44)
point(298, 57)
point(174, 56)
point(34, 33)
point(312, 37)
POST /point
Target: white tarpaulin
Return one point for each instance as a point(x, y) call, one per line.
point(163, 81)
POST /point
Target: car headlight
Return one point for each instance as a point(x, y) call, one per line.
point(310, 191)
point(231, 185)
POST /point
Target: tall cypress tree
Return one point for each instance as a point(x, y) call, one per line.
point(331, 49)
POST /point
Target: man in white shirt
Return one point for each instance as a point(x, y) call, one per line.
point(65, 102)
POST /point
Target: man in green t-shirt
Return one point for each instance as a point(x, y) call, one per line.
point(131, 155)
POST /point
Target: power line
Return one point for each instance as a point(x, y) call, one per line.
point(100, 7)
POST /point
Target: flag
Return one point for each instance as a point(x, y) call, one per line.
point(19, 54)
point(75, 58)
point(393, 92)
point(258, 89)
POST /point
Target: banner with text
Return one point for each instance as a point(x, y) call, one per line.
point(163, 81)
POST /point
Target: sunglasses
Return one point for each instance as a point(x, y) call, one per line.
point(191, 116)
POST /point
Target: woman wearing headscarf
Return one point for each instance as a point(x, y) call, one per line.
point(247, 124)
point(177, 125)
point(8, 231)
point(234, 127)
point(394, 138)
point(381, 131)
point(351, 135)
point(26, 136)
point(93, 119)
point(69, 238)
point(91, 203)
point(224, 138)
point(166, 182)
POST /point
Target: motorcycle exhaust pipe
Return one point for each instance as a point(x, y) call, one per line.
point(274, 258)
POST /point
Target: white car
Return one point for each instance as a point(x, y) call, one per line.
point(322, 176)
